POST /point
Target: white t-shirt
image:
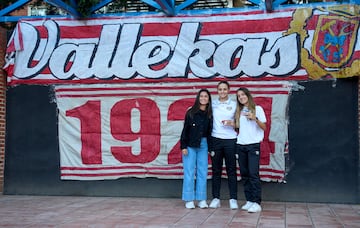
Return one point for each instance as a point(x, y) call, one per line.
point(249, 131)
point(223, 111)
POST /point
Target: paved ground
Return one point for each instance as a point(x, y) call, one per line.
point(69, 211)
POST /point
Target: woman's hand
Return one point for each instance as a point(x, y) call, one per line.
point(228, 123)
point(250, 116)
point(184, 151)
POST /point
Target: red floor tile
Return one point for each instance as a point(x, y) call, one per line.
point(104, 212)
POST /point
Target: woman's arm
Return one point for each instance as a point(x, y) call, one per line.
point(260, 124)
point(252, 116)
point(184, 138)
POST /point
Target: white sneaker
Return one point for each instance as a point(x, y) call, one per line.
point(190, 205)
point(215, 203)
point(247, 205)
point(202, 204)
point(233, 204)
point(254, 208)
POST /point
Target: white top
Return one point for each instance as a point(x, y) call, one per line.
point(223, 111)
point(249, 131)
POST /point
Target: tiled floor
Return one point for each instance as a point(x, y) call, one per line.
point(69, 211)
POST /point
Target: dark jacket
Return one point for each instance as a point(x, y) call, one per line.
point(195, 127)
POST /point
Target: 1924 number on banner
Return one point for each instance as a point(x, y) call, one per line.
point(133, 130)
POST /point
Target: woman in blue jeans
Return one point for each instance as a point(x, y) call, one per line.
point(194, 147)
point(251, 121)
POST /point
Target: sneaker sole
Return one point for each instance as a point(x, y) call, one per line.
point(254, 211)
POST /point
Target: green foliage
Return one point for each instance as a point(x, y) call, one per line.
point(116, 6)
point(6, 3)
point(84, 6)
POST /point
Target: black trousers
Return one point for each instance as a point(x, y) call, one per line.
point(224, 149)
point(249, 162)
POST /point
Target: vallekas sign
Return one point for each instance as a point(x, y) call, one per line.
point(291, 44)
point(119, 53)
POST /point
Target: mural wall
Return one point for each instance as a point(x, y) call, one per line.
point(121, 85)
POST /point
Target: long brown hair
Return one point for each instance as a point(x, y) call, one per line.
point(239, 106)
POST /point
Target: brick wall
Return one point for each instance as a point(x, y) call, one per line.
point(2, 106)
point(358, 190)
point(3, 42)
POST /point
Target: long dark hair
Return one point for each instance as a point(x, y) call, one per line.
point(196, 106)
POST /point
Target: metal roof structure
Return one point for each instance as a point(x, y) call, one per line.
point(168, 7)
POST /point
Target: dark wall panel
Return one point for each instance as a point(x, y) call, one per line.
point(323, 145)
point(323, 138)
point(323, 158)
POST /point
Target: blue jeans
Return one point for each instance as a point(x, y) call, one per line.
point(195, 163)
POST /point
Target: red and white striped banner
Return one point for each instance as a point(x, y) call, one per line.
point(107, 50)
point(288, 44)
point(133, 130)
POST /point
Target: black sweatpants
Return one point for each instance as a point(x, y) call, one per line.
point(224, 149)
point(249, 162)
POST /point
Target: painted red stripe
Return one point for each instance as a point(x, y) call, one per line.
point(149, 168)
point(245, 26)
point(119, 167)
point(14, 81)
point(74, 32)
point(159, 88)
point(120, 174)
point(272, 177)
point(47, 71)
point(180, 174)
point(155, 94)
point(173, 28)
point(272, 170)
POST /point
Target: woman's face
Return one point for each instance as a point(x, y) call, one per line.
point(242, 98)
point(204, 98)
point(223, 91)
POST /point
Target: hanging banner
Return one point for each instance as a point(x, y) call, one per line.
point(288, 44)
point(133, 130)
